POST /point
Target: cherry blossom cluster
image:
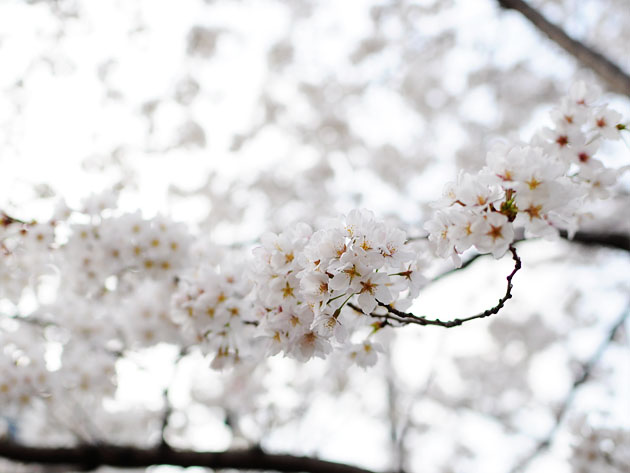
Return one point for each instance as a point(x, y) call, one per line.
point(213, 309)
point(123, 282)
point(540, 186)
point(304, 280)
point(111, 277)
point(125, 244)
point(25, 250)
point(23, 373)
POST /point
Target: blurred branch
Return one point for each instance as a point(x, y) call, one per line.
point(618, 81)
point(619, 241)
point(396, 444)
point(586, 373)
point(406, 423)
point(168, 407)
point(90, 457)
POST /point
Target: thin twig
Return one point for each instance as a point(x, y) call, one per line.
point(407, 423)
point(464, 265)
point(6, 220)
point(586, 373)
point(168, 407)
point(405, 318)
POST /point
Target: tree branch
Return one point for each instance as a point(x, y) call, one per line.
point(406, 318)
point(619, 241)
point(90, 457)
point(618, 81)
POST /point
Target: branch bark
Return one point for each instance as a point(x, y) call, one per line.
point(407, 318)
point(90, 457)
point(619, 241)
point(618, 81)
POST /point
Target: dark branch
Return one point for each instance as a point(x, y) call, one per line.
point(90, 457)
point(406, 318)
point(619, 241)
point(618, 81)
point(585, 374)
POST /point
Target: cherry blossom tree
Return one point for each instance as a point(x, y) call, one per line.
point(376, 238)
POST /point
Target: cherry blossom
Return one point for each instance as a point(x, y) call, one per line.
point(540, 186)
